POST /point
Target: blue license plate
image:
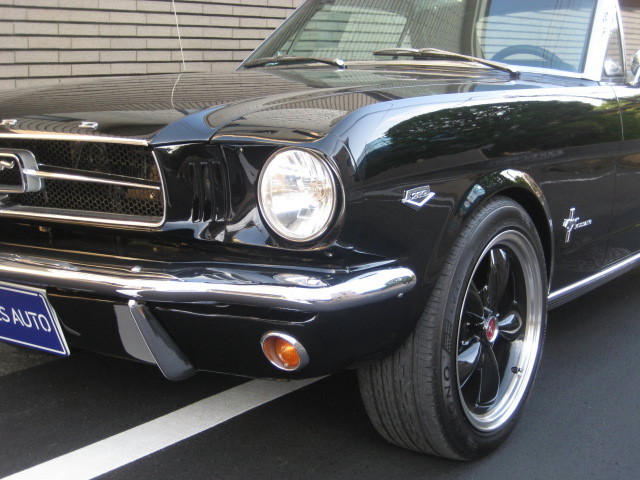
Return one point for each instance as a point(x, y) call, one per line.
point(26, 318)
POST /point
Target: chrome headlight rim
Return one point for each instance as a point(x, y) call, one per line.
point(336, 185)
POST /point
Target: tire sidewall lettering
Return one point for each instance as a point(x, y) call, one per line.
point(448, 386)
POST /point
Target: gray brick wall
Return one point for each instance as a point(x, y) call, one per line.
point(59, 41)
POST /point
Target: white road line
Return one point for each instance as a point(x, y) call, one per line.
point(126, 447)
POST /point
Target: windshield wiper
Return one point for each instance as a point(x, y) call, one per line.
point(285, 59)
point(437, 53)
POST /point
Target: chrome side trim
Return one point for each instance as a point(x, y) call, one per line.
point(566, 294)
point(90, 177)
point(208, 285)
point(81, 216)
point(75, 138)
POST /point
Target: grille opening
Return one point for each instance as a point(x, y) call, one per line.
point(97, 182)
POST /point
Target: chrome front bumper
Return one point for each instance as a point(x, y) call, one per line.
point(242, 285)
point(141, 290)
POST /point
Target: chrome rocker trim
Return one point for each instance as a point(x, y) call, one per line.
point(566, 294)
point(242, 285)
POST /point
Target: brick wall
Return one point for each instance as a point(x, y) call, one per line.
point(57, 41)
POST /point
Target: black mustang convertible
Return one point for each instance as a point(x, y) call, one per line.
point(398, 186)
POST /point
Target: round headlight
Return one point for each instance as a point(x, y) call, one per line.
point(298, 196)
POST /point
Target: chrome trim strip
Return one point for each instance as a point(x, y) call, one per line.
point(163, 188)
point(80, 216)
point(65, 174)
point(570, 292)
point(75, 138)
point(226, 286)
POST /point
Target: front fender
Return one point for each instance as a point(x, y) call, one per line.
point(515, 184)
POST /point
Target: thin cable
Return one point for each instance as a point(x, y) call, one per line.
point(173, 91)
point(175, 13)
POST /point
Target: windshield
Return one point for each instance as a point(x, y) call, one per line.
point(534, 33)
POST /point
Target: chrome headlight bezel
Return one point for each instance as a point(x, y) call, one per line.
point(336, 187)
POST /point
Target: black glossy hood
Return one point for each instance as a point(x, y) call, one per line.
point(292, 104)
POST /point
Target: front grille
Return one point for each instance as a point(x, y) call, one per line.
point(89, 182)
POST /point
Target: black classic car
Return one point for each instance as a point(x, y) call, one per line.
point(402, 187)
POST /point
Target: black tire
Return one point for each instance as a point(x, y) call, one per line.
point(435, 394)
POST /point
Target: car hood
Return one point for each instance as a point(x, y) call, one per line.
point(292, 104)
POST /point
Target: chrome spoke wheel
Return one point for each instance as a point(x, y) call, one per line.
point(499, 331)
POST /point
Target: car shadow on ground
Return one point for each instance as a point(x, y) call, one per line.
point(581, 420)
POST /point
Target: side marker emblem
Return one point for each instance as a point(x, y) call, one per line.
point(573, 223)
point(417, 198)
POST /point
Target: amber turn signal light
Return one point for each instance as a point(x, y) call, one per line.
point(284, 351)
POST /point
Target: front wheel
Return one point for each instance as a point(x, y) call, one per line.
point(457, 386)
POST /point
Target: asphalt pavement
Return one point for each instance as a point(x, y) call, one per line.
point(581, 422)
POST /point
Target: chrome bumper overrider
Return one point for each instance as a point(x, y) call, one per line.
point(236, 285)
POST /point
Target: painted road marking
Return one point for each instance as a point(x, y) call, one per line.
point(126, 447)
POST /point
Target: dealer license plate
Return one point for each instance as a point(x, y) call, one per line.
point(26, 318)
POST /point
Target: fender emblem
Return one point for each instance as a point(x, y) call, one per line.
point(417, 198)
point(573, 223)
